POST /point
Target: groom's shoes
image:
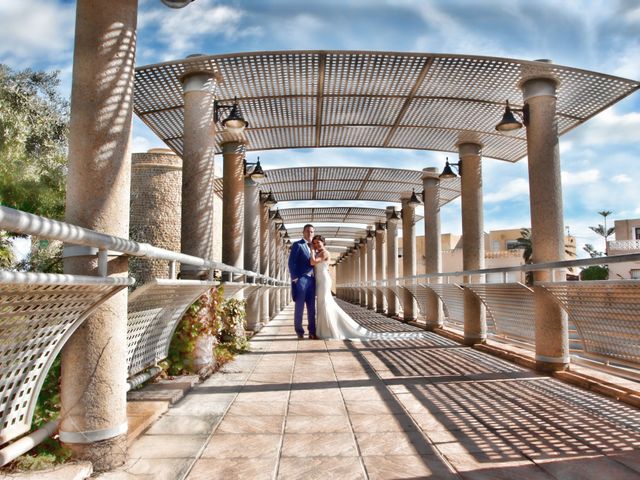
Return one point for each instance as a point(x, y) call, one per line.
point(313, 337)
point(300, 336)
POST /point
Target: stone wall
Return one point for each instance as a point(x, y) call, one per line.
point(156, 186)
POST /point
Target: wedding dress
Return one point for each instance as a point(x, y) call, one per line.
point(333, 322)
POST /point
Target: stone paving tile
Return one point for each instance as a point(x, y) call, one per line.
point(317, 407)
point(319, 445)
point(156, 469)
point(320, 468)
point(258, 424)
point(242, 445)
point(184, 425)
point(382, 423)
point(390, 443)
point(166, 446)
point(233, 468)
point(408, 467)
point(308, 393)
point(198, 407)
point(587, 468)
point(251, 409)
point(317, 424)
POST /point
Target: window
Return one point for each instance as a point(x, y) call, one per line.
point(637, 230)
point(495, 246)
point(635, 273)
point(511, 244)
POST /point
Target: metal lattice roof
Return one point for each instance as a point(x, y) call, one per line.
point(306, 99)
point(357, 215)
point(350, 183)
point(331, 232)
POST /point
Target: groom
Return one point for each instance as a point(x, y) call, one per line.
point(303, 284)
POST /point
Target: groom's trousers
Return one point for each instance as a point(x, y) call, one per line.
point(303, 292)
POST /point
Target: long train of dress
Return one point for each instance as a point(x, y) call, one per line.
point(333, 322)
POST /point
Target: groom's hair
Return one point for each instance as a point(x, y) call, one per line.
point(307, 226)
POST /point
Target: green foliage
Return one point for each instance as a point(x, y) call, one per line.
point(202, 318)
point(595, 272)
point(593, 253)
point(233, 323)
point(33, 142)
point(210, 315)
point(6, 252)
point(45, 257)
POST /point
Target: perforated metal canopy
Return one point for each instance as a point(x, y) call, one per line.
point(357, 215)
point(300, 99)
point(331, 233)
point(350, 183)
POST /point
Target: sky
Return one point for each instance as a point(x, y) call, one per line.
point(598, 159)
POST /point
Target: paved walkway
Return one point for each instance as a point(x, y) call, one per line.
point(423, 408)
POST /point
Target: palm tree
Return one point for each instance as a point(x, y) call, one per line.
point(6, 253)
point(603, 231)
point(524, 240)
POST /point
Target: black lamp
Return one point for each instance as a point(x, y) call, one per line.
point(509, 121)
point(269, 201)
point(414, 198)
point(256, 173)
point(393, 217)
point(176, 3)
point(233, 122)
point(277, 218)
point(447, 171)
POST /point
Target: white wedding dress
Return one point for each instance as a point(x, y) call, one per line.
point(333, 322)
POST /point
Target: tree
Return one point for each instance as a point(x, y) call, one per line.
point(33, 142)
point(593, 253)
point(6, 252)
point(525, 241)
point(603, 231)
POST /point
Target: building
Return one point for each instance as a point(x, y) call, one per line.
point(627, 241)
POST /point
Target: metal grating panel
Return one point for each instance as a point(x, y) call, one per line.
point(299, 99)
point(452, 297)
point(605, 314)
point(38, 314)
point(511, 307)
point(154, 311)
point(350, 183)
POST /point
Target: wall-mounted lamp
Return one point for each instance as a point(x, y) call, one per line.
point(381, 226)
point(176, 3)
point(282, 228)
point(509, 121)
point(268, 200)
point(233, 122)
point(394, 217)
point(447, 171)
point(288, 242)
point(277, 218)
point(370, 233)
point(413, 201)
point(256, 172)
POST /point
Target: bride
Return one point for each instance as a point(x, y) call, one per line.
point(331, 320)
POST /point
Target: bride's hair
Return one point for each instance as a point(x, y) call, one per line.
point(318, 237)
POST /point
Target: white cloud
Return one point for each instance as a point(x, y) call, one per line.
point(622, 178)
point(183, 30)
point(610, 127)
point(35, 29)
point(579, 178)
point(518, 187)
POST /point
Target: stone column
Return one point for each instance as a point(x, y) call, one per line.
point(197, 233)
point(371, 269)
point(475, 324)
point(408, 256)
point(272, 266)
point(547, 225)
point(277, 254)
point(94, 370)
point(264, 260)
point(381, 264)
point(392, 259)
point(252, 248)
point(233, 206)
point(363, 270)
point(156, 196)
point(432, 244)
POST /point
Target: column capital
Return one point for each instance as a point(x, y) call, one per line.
point(233, 146)
point(430, 173)
point(198, 80)
point(539, 86)
point(466, 149)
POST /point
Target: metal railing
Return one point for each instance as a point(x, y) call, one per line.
point(604, 316)
point(39, 313)
point(623, 245)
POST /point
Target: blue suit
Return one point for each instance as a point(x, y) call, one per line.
point(303, 286)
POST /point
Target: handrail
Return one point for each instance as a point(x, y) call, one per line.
point(629, 257)
point(29, 224)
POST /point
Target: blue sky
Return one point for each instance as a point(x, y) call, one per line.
point(598, 159)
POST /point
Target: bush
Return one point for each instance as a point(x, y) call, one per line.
point(234, 323)
point(595, 272)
